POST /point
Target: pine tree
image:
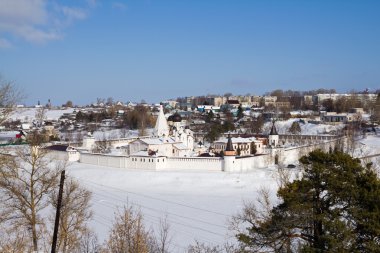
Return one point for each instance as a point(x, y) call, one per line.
point(335, 207)
point(253, 148)
point(240, 112)
point(295, 128)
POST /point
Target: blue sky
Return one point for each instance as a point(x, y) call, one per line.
point(153, 50)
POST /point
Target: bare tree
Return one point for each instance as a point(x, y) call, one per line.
point(26, 180)
point(283, 175)
point(13, 241)
point(69, 103)
point(79, 137)
point(103, 145)
point(89, 243)
point(257, 212)
point(128, 234)
point(100, 101)
point(40, 116)
point(353, 131)
point(124, 132)
point(9, 97)
point(164, 236)
point(199, 247)
point(110, 101)
point(75, 213)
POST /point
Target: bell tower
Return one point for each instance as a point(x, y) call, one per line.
point(229, 156)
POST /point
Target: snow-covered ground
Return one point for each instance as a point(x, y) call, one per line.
point(368, 146)
point(306, 128)
point(372, 142)
point(29, 114)
point(198, 205)
point(111, 134)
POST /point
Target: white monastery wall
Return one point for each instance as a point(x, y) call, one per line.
point(104, 160)
point(292, 155)
point(71, 156)
point(146, 163)
point(250, 163)
point(193, 163)
point(228, 164)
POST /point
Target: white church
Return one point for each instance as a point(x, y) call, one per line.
point(175, 142)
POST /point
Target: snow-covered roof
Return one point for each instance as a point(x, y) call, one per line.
point(180, 146)
point(237, 140)
point(158, 141)
point(146, 154)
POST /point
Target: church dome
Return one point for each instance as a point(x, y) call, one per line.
point(175, 117)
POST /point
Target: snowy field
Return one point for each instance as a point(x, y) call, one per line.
point(29, 114)
point(306, 128)
point(368, 146)
point(198, 205)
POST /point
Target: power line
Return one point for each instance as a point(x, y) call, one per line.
point(160, 211)
point(171, 221)
point(159, 199)
point(108, 220)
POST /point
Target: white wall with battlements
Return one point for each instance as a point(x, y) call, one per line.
point(228, 164)
point(194, 163)
point(154, 163)
point(146, 162)
point(250, 163)
point(104, 160)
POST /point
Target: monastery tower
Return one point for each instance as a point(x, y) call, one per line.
point(161, 129)
point(229, 156)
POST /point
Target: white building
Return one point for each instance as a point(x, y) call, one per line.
point(338, 118)
point(239, 144)
point(175, 142)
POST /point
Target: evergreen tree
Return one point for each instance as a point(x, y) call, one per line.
point(238, 151)
point(295, 128)
point(253, 148)
point(209, 116)
point(335, 207)
point(240, 112)
point(257, 125)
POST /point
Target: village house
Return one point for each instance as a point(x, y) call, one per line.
point(338, 118)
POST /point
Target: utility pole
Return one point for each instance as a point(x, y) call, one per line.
point(56, 225)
